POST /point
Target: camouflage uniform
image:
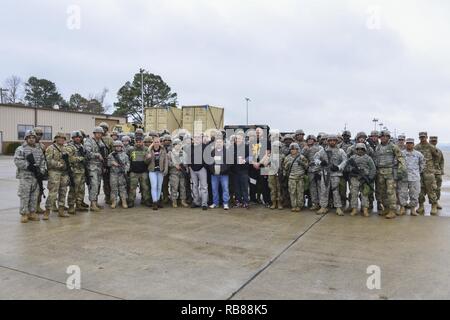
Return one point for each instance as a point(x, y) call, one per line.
point(366, 167)
point(273, 164)
point(388, 157)
point(58, 176)
point(297, 165)
point(177, 180)
point(139, 175)
point(118, 174)
point(28, 186)
point(428, 181)
point(313, 173)
point(439, 166)
point(76, 159)
point(331, 180)
point(95, 165)
point(108, 142)
point(410, 186)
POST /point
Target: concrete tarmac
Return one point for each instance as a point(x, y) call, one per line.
point(239, 254)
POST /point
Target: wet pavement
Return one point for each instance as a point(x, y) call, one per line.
point(191, 254)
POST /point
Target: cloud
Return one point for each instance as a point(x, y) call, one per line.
point(309, 64)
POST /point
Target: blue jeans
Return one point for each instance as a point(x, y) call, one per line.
point(223, 180)
point(156, 182)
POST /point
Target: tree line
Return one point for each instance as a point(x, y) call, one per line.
point(36, 92)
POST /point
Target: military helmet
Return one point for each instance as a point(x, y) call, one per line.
point(148, 139)
point(401, 137)
point(75, 134)
point(386, 133)
point(38, 131)
point(60, 135)
point(114, 133)
point(331, 137)
point(126, 138)
point(294, 145)
point(361, 146)
point(311, 137)
point(361, 134)
point(347, 133)
point(139, 131)
point(176, 141)
point(118, 143)
point(29, 133)
point(166, 137)
point(98, 130)
point(104, 125)
point(299, 131)
point(288, 137)
point(82, 133)
point(152, 133)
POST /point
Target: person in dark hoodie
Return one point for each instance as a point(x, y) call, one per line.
point(219, 174)
point(241, 167)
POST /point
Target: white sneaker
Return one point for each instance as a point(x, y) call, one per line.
point(226, 207)
point(213, 206)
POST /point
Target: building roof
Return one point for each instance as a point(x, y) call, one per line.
point(22, 106)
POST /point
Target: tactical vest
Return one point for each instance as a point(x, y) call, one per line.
point(385, 156)
point(137, 160)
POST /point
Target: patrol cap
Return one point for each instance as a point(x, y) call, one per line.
point(401, 137)
point(410, 140)
point(60, 135)
point(98, 130)
point(294, 145)
point(361, 146)
point(299, 132)
point(118, 143)
point(423, 134)
point(332, 137)
point(433, 138)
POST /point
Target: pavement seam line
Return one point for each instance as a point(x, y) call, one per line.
point(59, 282)
point(271, 261)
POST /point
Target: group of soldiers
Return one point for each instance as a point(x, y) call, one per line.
point(320, 172)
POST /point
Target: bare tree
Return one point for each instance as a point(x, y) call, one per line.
point(14, 86)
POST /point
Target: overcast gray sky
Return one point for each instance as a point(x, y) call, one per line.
point(314, 65)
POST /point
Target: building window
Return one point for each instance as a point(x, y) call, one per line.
point(22, 129)
point(47, 133)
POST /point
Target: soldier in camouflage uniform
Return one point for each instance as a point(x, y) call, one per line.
point(96, 155)
point(76, 152)
point(119, 163)
point(58, 175)
point(167, 144)
point(309, 151)
point(28, 184)
point(108, 142)
point(390, 164)
point(332, 161)
point(439, 166)
point(39, 134)
point(177, 174)
point(401, 142)
point(428, 179)
point(361, 137)
point(287, 140)
point(363, 171)
point(409, 186)
point(295, 166)
point(139, 174)
point(273, 162)
point(373, 141)
point(300, 138)
point(127, 147)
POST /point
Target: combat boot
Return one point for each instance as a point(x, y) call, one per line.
point(414, 212)
point(280, 205)
point(46, 215)
point(113, 203)
point(184, 204)
point(315, 207)
point(80, 207)
point(322, 211)
point(366, 212)
point(61, 213)
point(339, 212)
point(293, 209)
point(33, 217)
point(421, 209)
point(124, 203)
point(174, 204)
point(402, 211)
point(39, 210)
point(24, 218)
point(83, 205)
point(94, 206)
point(434, 210)
point(274, 205)
point(298, 209)
point(71, 210)
point(439, 207)
point(391, 214)
point(354, 212)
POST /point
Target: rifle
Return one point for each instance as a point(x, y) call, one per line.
point(87, 177)
point(104, 151)
point(65, 157)
point(121, 165)
point(358, 173)
point(36, 172)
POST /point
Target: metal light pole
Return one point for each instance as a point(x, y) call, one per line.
point(142, 91)
point(375, 120)
point(248, 100)
point(381, 126)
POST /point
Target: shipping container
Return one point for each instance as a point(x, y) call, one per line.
point(162, 118)
point(197, 119)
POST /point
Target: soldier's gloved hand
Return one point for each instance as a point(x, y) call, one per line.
point(65, 156)
point(334, 168)
point(324, 163)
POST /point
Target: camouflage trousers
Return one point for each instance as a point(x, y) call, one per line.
point(106, 185)
point(343, 189)
point(177, 185)
point(275, 189)
point(297, 191)
point(118, 184)
point(411, 190)
point(76, 193)
point(438, 178)
point(95, 174)
point(58, 182)
point(28, 194)
point(314, 187)
point(143, 181)
point(324, 194)
point(428, 188)
point(387, 188)
point(358, 190)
